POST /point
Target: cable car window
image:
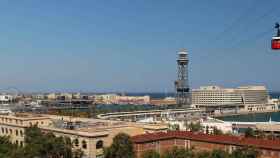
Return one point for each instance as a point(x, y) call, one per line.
point(275, 42)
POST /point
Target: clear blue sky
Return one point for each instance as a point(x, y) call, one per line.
point(124, 45)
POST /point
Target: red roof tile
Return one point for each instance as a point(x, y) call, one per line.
point(221, 139)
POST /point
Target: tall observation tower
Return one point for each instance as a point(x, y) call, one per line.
point(181, 84)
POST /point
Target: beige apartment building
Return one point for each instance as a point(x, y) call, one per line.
point(117, 99)
point(131, 100)
point(15, 125)
point(91, 135)
point(105, 98)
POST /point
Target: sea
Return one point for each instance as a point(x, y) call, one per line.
point(257, 117)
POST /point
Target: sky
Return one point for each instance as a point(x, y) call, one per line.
point(131, 46)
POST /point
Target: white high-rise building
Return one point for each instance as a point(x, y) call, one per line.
point(215, 95)
point(233, 100)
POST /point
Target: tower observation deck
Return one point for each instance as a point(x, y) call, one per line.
point(181, 84)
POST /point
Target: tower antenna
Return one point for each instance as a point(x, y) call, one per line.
point(182, 83)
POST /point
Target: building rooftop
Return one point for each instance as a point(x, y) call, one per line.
point(90, 125)
point(25, 116)
point(214, 87)
point(86, 127)
point(77, 132)
point(224, 139)
point(273, 126)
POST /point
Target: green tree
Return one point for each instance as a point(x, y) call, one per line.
point(203, 154)
point(47, 145)
point(259, 134)
point(151, 154)
point(216, 131)
point(178, 153)
point(5, 147)
point(219, 154)
point(245, 152)
point(174, 127)
point(194, 127)
point(122, 147)
point(249, 132)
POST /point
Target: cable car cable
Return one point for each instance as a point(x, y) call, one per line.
point(236, 21)
point(258, 19)
point(256, 38)
point(231, 26)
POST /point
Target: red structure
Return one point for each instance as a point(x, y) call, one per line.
point(161, 142)
point(275, 42)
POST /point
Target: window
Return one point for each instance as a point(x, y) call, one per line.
point(11, 131)
point(84, 144)
point(76, 142)
point(99, 144)
point(16, 132)
point(21, 144)
point(21, 133)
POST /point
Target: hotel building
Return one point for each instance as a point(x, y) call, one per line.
point(250, 98)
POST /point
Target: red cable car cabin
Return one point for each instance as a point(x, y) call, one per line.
point(275, 43)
